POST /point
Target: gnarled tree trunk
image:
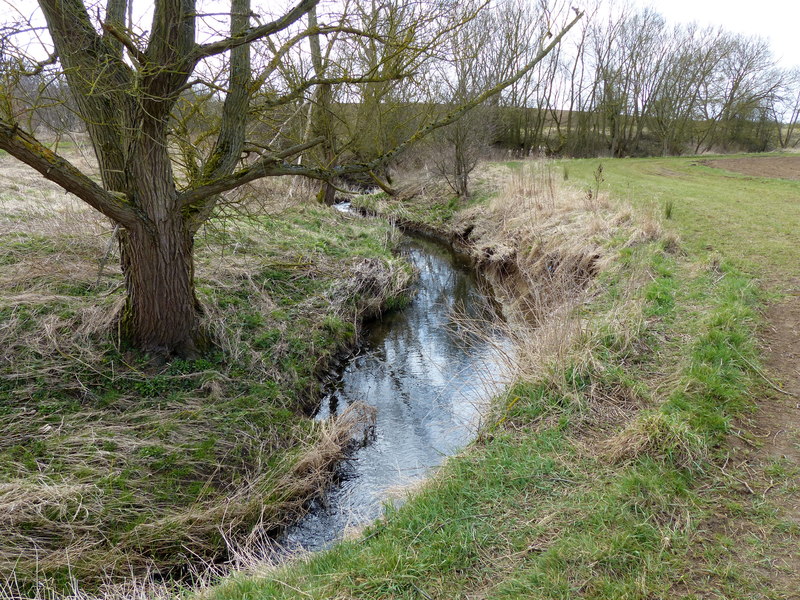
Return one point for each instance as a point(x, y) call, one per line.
point(161, 311)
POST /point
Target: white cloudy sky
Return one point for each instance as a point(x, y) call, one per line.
point(777, 20)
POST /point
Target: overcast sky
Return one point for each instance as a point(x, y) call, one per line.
point(776, 20)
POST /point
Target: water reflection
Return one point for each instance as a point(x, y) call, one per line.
point(427, 373)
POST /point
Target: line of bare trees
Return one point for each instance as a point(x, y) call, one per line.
point(184, 101)
point(627, 83)
point(624, 83)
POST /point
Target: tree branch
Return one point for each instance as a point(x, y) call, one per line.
point(279, 53)
point(115, 17)
point(126, 41)
point(266, 166)
point(57, 169)
point(253, 34)
point(274, 164)
point(384, 185)
point(171, 41)
point(312, 81)
point(39, 66)
point(230, 141)
point(479, 99)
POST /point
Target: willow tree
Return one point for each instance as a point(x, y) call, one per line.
point(126, 86)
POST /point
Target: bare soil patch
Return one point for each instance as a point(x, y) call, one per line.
point(781, 338)
point(778, 424)
point(778, 167)
point(763, 470)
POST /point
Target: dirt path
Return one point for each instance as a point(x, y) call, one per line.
point(762, 517)
point(777, 422)
point(763, 472)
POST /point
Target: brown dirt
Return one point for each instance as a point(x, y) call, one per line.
point(777, 422)
point(779, 167)
point(764, 466)
point(781, 339)
point(763, 471)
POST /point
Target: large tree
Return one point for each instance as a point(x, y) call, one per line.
point(127, 85)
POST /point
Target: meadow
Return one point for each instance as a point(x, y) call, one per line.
point(637, 454)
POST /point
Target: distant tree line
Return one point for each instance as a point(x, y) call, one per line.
point(627, 83)
point(623, 83)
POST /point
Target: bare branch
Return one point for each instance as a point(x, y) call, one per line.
point(312, 81)
point(279, 53)
point(253, 34)
point(115, 19)
point(267, 166)
point(171, 41)
point(228, 147)
point(40, 66)
point(119, 35)
point(57, 169)
point(69, 24)
point(273, 164)
point(479, 99)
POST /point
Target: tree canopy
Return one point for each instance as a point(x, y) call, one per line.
point(181, 112)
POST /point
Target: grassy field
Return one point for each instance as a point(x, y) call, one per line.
point(753, 221)
point(608, 469)
point(611, 467)
point(113, 465)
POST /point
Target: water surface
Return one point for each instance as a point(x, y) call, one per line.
point(428, 375)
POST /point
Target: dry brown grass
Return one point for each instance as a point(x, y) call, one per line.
point(547, 246)
point(658, 435)
point(90, 433)
point(544, 244)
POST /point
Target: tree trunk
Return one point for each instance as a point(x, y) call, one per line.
point(162, 312)
point(326, 194)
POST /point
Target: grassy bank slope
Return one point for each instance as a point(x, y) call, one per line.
point(753, 220)
point(112, 464)
point(603, 469)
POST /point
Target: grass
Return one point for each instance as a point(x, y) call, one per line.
point(111, 465)
point(602, 472)
point(598, 475)
point(750, 220)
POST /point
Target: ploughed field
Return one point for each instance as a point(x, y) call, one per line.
point(778, 167)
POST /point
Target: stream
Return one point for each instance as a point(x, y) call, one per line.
point(429, 370)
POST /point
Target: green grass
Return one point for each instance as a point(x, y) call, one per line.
point(112, 459)
point(539, 509)
point(599, 478)
point(753, 221)
point(554, 502)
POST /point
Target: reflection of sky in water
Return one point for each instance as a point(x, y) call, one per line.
point(427, 384)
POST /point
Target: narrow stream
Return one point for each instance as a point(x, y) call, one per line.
point(427, 375)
